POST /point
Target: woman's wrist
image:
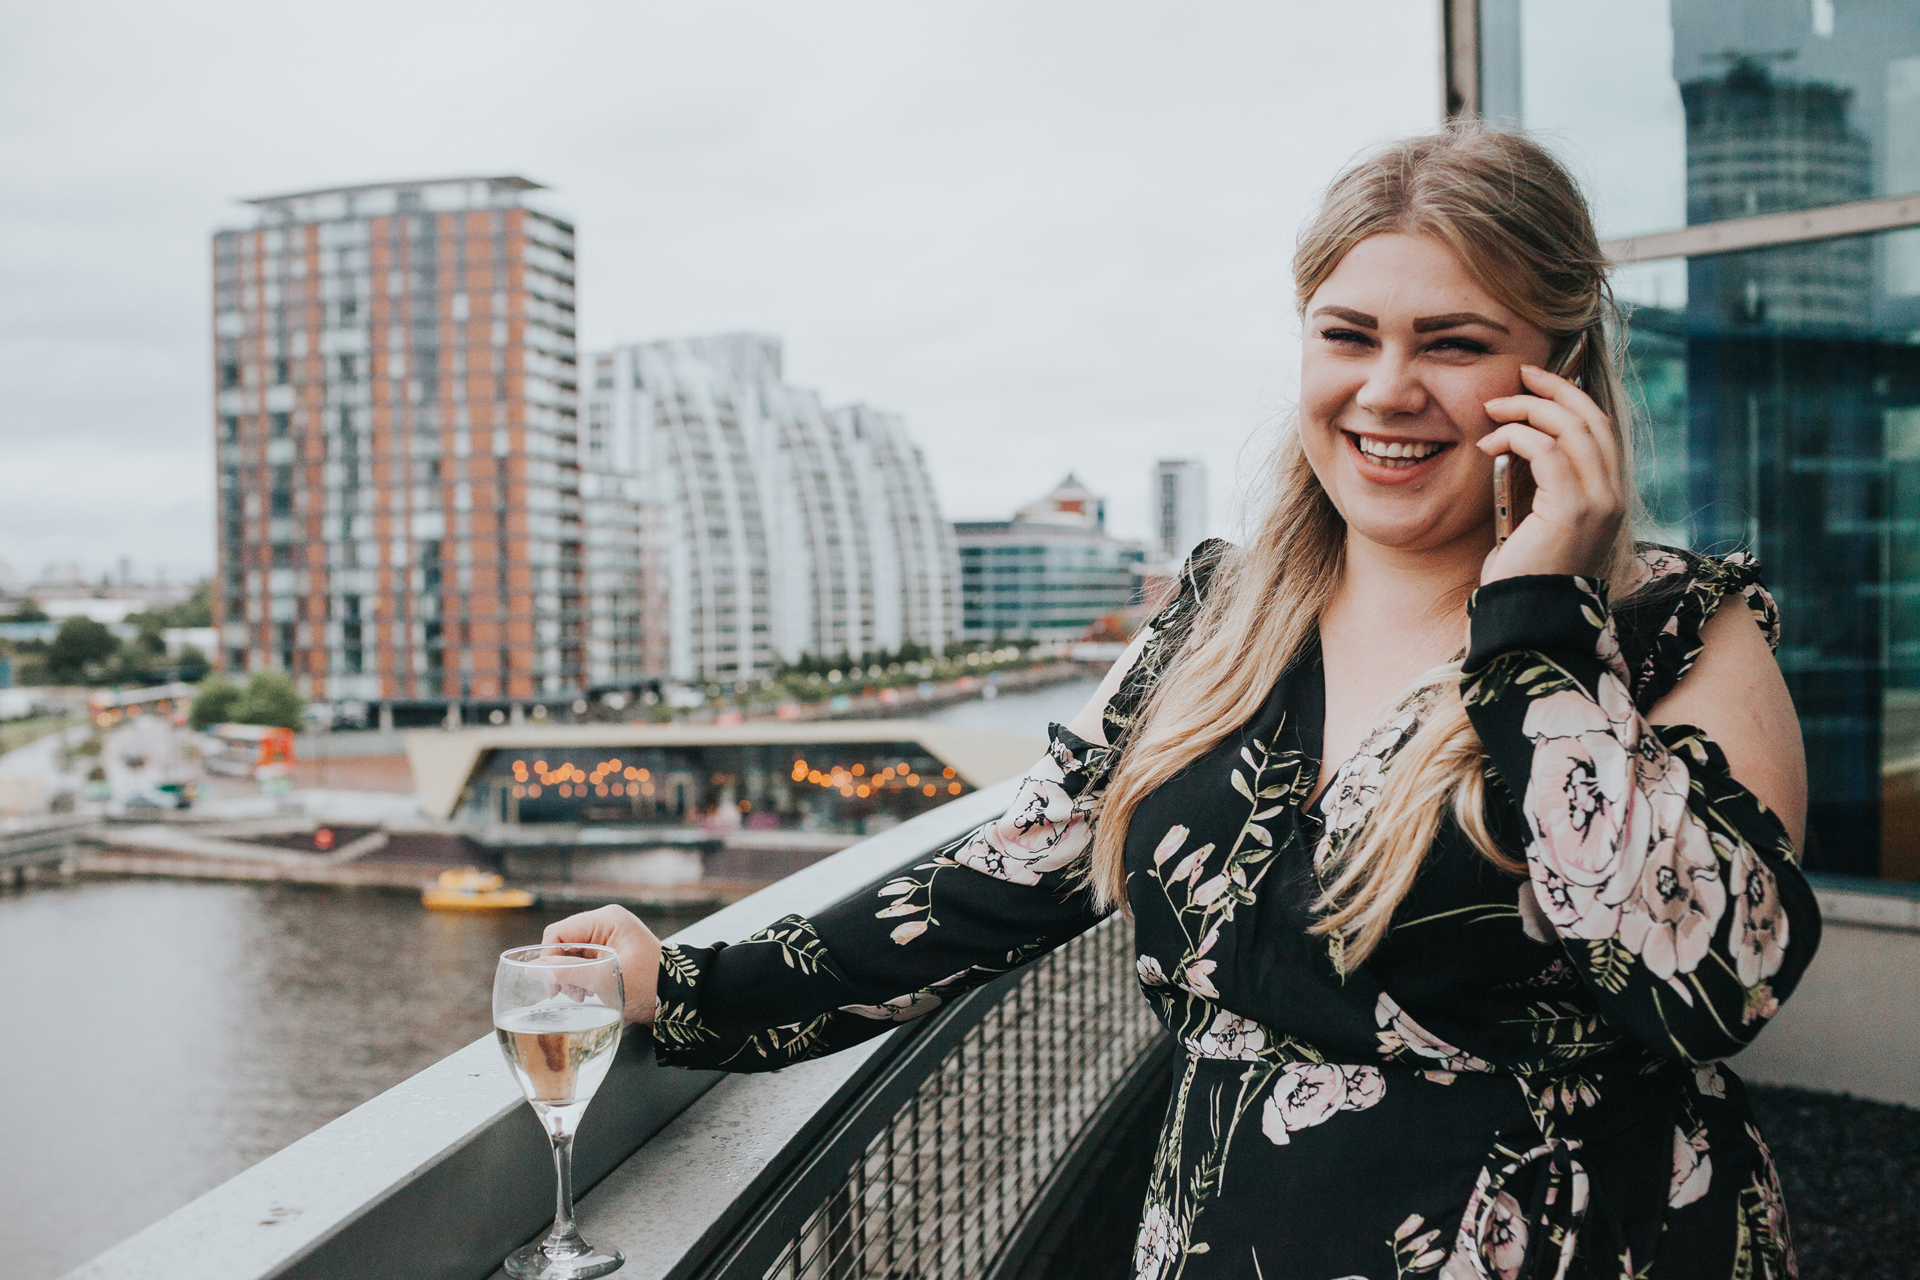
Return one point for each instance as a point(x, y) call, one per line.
point(1543, 613)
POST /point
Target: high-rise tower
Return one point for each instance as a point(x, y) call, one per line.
point(399, 475)
point(1179, 508)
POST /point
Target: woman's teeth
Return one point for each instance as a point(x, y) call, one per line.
point(1397, 453)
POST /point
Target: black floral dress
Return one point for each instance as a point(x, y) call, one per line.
point(1523, 1079)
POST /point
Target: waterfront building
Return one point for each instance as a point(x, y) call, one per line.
point(401, 513)
point(785, 528)
point(1050, 573)
point(1178, 503)
point(673, 802)
point(1752, 162)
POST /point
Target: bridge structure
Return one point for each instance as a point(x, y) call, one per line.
point(44, 842)
point(1006, 1136)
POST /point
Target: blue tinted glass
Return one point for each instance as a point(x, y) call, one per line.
point(1685, 111)
point(1784, 406)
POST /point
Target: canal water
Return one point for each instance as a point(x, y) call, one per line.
point(165, 1035)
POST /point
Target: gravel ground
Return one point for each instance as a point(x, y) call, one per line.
point(1851, 1170)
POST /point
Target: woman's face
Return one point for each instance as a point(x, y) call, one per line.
point(1402, 350)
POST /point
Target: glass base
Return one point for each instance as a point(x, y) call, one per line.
point(566, 1258)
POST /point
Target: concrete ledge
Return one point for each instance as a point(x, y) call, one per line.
point(1854, 900)
point(1853, 1026)
point(442, 1175)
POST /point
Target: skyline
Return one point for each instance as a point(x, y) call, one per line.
point(1051, 245)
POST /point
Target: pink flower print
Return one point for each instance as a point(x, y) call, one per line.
point(1310, 1093)
point(1692, 1168)
point(1759, 938)
point(1230, 1038)
point(1197, 978)
point(1400, 1032)
point(1505, 1245)
point(905, 933)
point(1150, 972)
point(1158, 1243)
point(1043, 831)
point(1707, 1080)
point(899, 1009)
point(1190, 867)
point(1210, 892)
point(1169, 844)
point(1589, 830)
point(1355, 786)
point(1669, 922)
point(1761, 1003)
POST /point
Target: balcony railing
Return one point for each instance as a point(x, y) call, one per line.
point(943, 1148)
point(960, 1145)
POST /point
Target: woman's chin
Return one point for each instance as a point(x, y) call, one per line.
point(1409, 535)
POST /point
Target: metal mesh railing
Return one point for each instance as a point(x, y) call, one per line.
point(944, 1184)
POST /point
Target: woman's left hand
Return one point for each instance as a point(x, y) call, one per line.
point(1579, 500)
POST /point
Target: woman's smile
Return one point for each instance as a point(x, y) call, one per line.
point(1394, 459)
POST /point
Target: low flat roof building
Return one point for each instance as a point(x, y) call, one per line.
point(820, 776)
point(1050, 573)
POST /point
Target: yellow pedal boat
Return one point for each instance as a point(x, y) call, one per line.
point(473, 890)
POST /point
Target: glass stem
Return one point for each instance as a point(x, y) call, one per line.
point(563, 1228)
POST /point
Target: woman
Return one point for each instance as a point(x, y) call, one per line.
point(1452, 939)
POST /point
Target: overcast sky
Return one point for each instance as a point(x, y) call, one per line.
point(1054, 235)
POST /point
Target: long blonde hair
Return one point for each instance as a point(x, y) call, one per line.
point(1521, 226)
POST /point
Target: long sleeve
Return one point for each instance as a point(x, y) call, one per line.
point(1673, 889)
point(1003, 894)
point(1007, 892)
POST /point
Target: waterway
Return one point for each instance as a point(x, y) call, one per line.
point(165, 1035)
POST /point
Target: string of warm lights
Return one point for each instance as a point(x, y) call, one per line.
point(611, 778)
point(852, 780)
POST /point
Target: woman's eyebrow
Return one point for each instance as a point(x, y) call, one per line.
point(1351, 316)
point(1453, 319)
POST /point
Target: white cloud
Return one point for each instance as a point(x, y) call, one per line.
point(1056, 236)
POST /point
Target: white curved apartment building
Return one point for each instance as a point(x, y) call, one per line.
point(787, 528)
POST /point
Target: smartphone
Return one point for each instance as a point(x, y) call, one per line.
point(1512, 494)
point(1513, 485)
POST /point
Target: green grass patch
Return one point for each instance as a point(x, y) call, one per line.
point(18, 733)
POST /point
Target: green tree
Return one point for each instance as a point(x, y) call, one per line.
point(195, 611)
point(28, 611)
point(215, 703)
point(272, 699)
point(193, 664)
point(80, 643)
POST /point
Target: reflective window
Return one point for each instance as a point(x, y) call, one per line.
point(1781, 386)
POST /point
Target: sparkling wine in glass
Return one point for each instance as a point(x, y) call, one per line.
point(557, 1013)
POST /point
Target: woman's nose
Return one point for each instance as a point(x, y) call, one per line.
point(1391, 388)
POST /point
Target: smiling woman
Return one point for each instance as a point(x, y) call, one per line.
point(1455, 868)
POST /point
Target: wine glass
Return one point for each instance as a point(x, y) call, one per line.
point(557, 1009)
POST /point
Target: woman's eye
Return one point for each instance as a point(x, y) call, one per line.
point(1346, 336)
point(1466, 345)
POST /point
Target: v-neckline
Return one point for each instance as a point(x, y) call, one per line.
point(1307, 706)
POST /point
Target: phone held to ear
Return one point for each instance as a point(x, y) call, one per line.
point(1512, 494)
point(1513, 486)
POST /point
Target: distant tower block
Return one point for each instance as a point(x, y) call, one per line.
point(400, 511)
point(1179, 507)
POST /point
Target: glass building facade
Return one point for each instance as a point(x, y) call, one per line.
point(1749, 162)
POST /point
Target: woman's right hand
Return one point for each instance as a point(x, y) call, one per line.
point(636, 945)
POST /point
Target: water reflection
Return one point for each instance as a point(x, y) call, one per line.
point(176, 1033)
point(167, 1035)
